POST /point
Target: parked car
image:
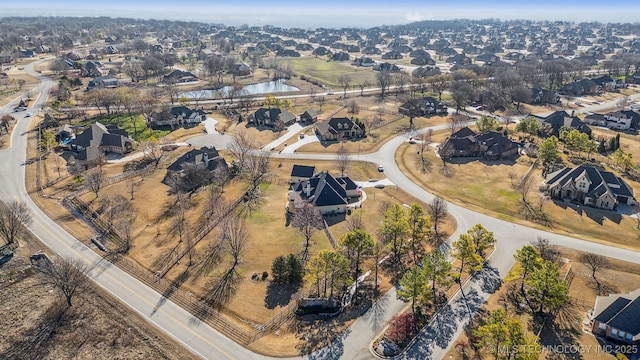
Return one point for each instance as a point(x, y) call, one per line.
point(28, 115)
point(19, 108)
point(380, 168)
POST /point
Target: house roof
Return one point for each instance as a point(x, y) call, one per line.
point(620, 311)
point(324, 190)
point(310, 114)
point(601, 181)
point(560, 119)
point(340, 123)
point(303, 171)
point(194, 156)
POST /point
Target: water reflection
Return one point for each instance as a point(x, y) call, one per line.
point(270, 87)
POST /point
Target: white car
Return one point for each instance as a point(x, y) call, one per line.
point(28, 115)
point(380, 168)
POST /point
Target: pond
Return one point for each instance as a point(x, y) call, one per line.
point(270, 87)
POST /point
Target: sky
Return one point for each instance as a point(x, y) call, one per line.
point(332, 13)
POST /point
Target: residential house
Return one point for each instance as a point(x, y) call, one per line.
point(363, 61)
point(489, 145)
point(177, 116)
point(606, 82)
point(340, 56)
point(309, 117)
point(544, 96)
point(558, 120)
point(487, 58)
point(92, 69)
point(589, 186)
point(157, 49)
point(65, 134)
point(179, 76)
point(302, 173)
point(327, 194)
point(392, 55)
point(203, 158)
point(619, 120)
point(241, 69)
point(582, 87)
point(338, 129)
point(385, 66)
point(103, 82)
point(425, 106)
point(272, 117)
point(617, 317)
point(98, 139)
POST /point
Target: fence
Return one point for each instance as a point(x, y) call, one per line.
point(170, 291)
point(327, 231)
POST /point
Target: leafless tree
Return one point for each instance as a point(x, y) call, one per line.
point(94, 180)
point(307, 220)
point(462, 93)
point(241, 147)
point(124, 225)
point(439, 83)
point(438, 211)
point(355, 223)
point(132, 184)
point(423, 163)
point(594, 262)
point(67, 275)
point(15, 217)
point(112, 206)
point(258, 166)
point(353, 106)
point(383, 80)
point(343, 159)
point(401, 81)
point(363, 85)
point(456, 121)
point(245, 102)
point(345, 81)
point(546, 250)
point(321, 101)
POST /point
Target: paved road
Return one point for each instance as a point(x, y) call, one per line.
point(208, 343)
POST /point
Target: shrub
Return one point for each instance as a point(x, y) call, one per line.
point(265, 275)
point(402, 328)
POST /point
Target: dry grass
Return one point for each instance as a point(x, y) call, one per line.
point(474, 181)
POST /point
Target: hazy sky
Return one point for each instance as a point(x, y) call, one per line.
point(332, 13)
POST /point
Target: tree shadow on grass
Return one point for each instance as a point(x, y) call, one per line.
point(321, 339)
point(279, 295)
point(36, 342)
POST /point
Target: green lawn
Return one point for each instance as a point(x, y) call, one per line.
point(139, 132)
point(328, 72)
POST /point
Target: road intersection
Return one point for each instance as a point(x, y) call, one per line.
point(433, 342)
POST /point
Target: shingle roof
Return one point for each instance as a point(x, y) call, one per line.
point(600, 181)
point(612, 310)
point(303, 171)
point(628, 319)
point(194, 156)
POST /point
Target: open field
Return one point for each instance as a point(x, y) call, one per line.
point(97, 326)
point(568, 327)
point(328, 72)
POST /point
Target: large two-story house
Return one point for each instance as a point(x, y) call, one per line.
point(558, 120)
point(489, 145)
point(619, 120)
point(338, 129)
point(204, 158)
point(589, 186)
point(425, 106)
point(272, 117)
point(98, 140)
point(326, 193)
point(177, 116)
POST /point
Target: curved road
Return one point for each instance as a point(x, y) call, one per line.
point(208, 343)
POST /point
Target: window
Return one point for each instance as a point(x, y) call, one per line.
point(629, 337)
point(621, 334)
point(614, 332)
point(602, 326)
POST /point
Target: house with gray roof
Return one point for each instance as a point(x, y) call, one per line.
point(338, 129)
point(328, 194)
point(558, 120)
point(272, 117)
point(177, 116)
point(489, 145)
point(98, 140)
point(589, 186)
point(617, 317)
point(206, 158)
point(619, 120)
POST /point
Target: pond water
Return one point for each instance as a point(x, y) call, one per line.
point(270, 87)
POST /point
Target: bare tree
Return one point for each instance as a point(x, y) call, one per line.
point(258, 166)
point(345, 81)
point(67, 275)
point(124, 225)
point(383, 80)
point(423, 163)
point(307, 220)
point(594, 262)
point(456, 121)
point(363, 85)
point(132, 184)
point(462, 93)
point(438, 211)
point(241, 147)
point(15, 217)
point(342, 159)
point(94, 180)
point(546, 250)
